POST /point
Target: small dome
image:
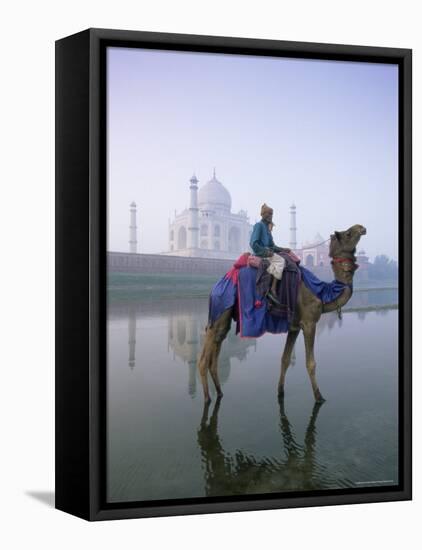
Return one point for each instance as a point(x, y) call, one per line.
point(214, 195)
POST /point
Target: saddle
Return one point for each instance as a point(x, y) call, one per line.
point(287, 288)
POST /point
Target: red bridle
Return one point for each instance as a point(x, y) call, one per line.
point(340, 260)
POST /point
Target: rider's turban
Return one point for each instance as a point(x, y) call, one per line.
point(265, 208)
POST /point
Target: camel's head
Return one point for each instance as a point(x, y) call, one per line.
point(344, 242)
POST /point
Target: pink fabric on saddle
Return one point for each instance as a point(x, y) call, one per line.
point(293, 256)
point(242, 261)
point(254, 261)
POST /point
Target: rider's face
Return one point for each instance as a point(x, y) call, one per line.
point(268, 216)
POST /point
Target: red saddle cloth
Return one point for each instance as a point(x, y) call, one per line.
point(242, 261)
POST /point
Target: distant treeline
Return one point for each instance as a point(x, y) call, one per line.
point(383, 268)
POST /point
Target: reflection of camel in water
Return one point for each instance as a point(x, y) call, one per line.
point(241, 473)
point(308, 312)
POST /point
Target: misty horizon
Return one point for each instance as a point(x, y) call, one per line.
point(320, 134)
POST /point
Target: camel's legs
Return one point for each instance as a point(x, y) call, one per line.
point(285, 360)
point(309, 330)
point(204, 381)
point(208, 360)
point(203, 363)
point(214, 369)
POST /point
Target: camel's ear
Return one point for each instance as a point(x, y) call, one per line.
point(338, 235)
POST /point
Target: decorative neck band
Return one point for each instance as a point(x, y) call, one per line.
point(345, 261)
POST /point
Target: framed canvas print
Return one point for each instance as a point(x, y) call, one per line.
point(233, 274)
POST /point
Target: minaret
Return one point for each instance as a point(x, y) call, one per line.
point(293, 243)
point(192, 341)
point(193, 224)
point(133, 243)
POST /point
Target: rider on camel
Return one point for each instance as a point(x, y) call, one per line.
point(262, 244)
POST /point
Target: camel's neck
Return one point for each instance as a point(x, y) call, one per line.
point(339, 302)
point(344, 267)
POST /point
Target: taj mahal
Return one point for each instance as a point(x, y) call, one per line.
point(209, 231)
point(208, 228)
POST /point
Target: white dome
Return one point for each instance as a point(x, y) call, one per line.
point(214, 195)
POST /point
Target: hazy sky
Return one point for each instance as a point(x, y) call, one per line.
point(321, 134)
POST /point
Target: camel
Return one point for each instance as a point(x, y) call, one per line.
point(307, 314)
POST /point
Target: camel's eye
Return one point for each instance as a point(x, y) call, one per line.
point(348, 233)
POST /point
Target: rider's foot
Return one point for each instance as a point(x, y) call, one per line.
point(273, 298)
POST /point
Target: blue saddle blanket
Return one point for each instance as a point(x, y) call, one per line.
point(326, 292)
point(250, 309)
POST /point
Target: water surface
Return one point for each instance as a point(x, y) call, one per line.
point(163, 444)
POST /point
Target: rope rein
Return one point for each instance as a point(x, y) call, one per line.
point(333, 261)
point(313, 245)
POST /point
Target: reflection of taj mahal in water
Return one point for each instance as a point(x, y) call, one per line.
point(186, 331)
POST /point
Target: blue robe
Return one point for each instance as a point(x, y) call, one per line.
point(262, 240)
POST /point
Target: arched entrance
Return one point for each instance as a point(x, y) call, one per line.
point(234, 240)
point(181, 238)
point(309, 261)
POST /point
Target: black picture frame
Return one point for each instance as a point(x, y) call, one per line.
point(81, 271)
